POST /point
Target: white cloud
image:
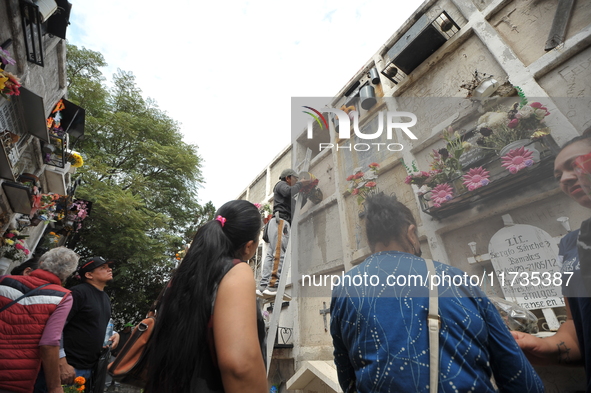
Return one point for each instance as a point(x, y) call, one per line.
point(227, 70)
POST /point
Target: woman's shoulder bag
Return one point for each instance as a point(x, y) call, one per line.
point(130, 365)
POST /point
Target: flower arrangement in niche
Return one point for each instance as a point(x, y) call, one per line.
point(45, 207)
point(77, 212)
point(9, 84)
point(265, 210)
point(77, 387)
point(522, 121)
point(13, 246)
point(441, 194)
point(517, 159)
point(362, 184)
point(476, 178)
point(445, 164)
point(52, 240)
point(418, 177)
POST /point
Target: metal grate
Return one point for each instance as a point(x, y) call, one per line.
point(32, 32)
point(284, 337)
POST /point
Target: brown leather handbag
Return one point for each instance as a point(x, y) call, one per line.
point(130, 365)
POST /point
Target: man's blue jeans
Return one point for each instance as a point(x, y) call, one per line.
point(278, 240)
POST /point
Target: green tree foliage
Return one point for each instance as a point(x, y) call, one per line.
point(142, 179)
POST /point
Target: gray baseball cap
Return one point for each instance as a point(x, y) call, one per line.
point(286, 173)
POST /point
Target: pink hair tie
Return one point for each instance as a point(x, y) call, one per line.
point(221, 219)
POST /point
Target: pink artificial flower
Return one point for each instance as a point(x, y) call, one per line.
point(19, 246)
point(27, 252)
point(359, 175)
point(355, 191)
point(370, 184)
point(9, 235)
point(374, 165)
point(5, 56)
point(441, 194)
point(408, 179)
point(517, 159)
point(513, 123)
point(257, 205)
point(476, 178)
point(350, 177)
point(536, 105)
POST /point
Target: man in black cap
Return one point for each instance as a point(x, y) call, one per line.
point(278, 230)
point(87, 322)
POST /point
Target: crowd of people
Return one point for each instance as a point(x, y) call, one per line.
point(210, 334)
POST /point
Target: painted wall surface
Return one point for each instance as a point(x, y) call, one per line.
point(258, 191)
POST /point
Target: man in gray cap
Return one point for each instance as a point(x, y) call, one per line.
point(278, 230)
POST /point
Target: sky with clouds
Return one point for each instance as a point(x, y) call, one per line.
point(227, 70)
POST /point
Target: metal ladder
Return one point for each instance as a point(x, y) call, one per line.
point(274, 323)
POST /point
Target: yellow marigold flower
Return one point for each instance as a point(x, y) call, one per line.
point(3, 79)
point(540, 133)
point(76, 160)
point(9, 242)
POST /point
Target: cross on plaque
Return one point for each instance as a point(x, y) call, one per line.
point(323, 312)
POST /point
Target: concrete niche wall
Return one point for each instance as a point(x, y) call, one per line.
point(518, 19)
point(470, 56)
point(570, 87)
point(319, 241)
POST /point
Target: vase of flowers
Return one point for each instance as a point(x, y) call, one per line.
point(13, 246)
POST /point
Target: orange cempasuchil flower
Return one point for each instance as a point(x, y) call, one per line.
point(81, 388)
point(80, 380)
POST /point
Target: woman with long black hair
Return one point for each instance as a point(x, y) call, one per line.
point(209, 333)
